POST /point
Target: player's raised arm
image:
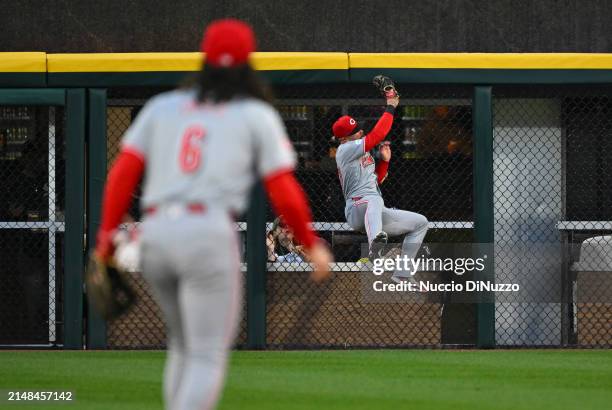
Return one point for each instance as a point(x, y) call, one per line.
point(383, 126)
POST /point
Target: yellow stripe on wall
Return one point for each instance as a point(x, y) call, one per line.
point(123, 62)
point(481, 60)
point(300, 61)
point(28, 62)
point(141, 62)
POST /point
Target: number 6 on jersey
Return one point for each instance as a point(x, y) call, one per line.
point(191, 153)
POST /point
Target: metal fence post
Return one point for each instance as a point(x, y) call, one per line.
point(96, 175)
point(75, 211)
point(483, 206)
point(256, 269)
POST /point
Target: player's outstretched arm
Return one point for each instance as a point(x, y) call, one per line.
point(383, 126)
point(289, 200)
point(120, 184)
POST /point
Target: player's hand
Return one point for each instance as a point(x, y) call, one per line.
point(320, 257)
point(385, 151)
point(394, 101)
point(104, 245)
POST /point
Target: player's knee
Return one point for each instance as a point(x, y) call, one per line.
point(422, 222)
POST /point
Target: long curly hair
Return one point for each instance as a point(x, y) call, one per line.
point(218, 84)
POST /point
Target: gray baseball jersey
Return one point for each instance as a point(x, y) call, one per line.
point(365, 209)
point(356, 169)
point(207, 153)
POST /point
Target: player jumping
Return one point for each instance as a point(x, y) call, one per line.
point(202, 150)
point(360, 177)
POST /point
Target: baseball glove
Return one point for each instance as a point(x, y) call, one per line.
point(385, 85)
point(107, 290)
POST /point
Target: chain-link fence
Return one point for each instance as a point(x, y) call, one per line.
point(32, 171)
point(430, 173)
point(552, 196)
point(552, 224)
point(143, 326)
point(551, 189)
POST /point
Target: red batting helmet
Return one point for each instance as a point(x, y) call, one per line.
point(228, 43)
point(345, 126)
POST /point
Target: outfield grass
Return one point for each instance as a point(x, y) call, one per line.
point(391, 379)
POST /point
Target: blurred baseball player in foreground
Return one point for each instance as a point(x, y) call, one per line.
point(201, 150)
point(360, 177)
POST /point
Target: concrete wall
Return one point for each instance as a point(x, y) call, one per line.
point(323, 25)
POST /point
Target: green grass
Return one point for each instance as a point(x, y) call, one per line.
point(391, 379)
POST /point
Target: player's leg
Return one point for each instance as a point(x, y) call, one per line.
point(377, 237)
point(366, 215)
point(414, 225)
point(355, 215)
point(211, 320)
point(210, 297)
point(164, 284)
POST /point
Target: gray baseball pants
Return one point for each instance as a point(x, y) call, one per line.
point(369, 215)
point(191, 262)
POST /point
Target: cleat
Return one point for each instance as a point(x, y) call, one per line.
point(409, 279)
point(425, 251)
point(378, 246)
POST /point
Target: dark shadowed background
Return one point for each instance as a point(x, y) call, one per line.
point(323, 25)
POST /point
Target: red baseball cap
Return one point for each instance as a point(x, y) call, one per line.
point(228, 43)
point(345, 126)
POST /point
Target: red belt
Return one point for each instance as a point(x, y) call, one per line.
point(193, 208)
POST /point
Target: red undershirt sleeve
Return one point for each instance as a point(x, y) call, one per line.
point(289, 200)
point(382, 169)
point(380, 130)
point(122, 180)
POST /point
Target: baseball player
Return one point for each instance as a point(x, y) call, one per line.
point(201, 150)
point(360, 177)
